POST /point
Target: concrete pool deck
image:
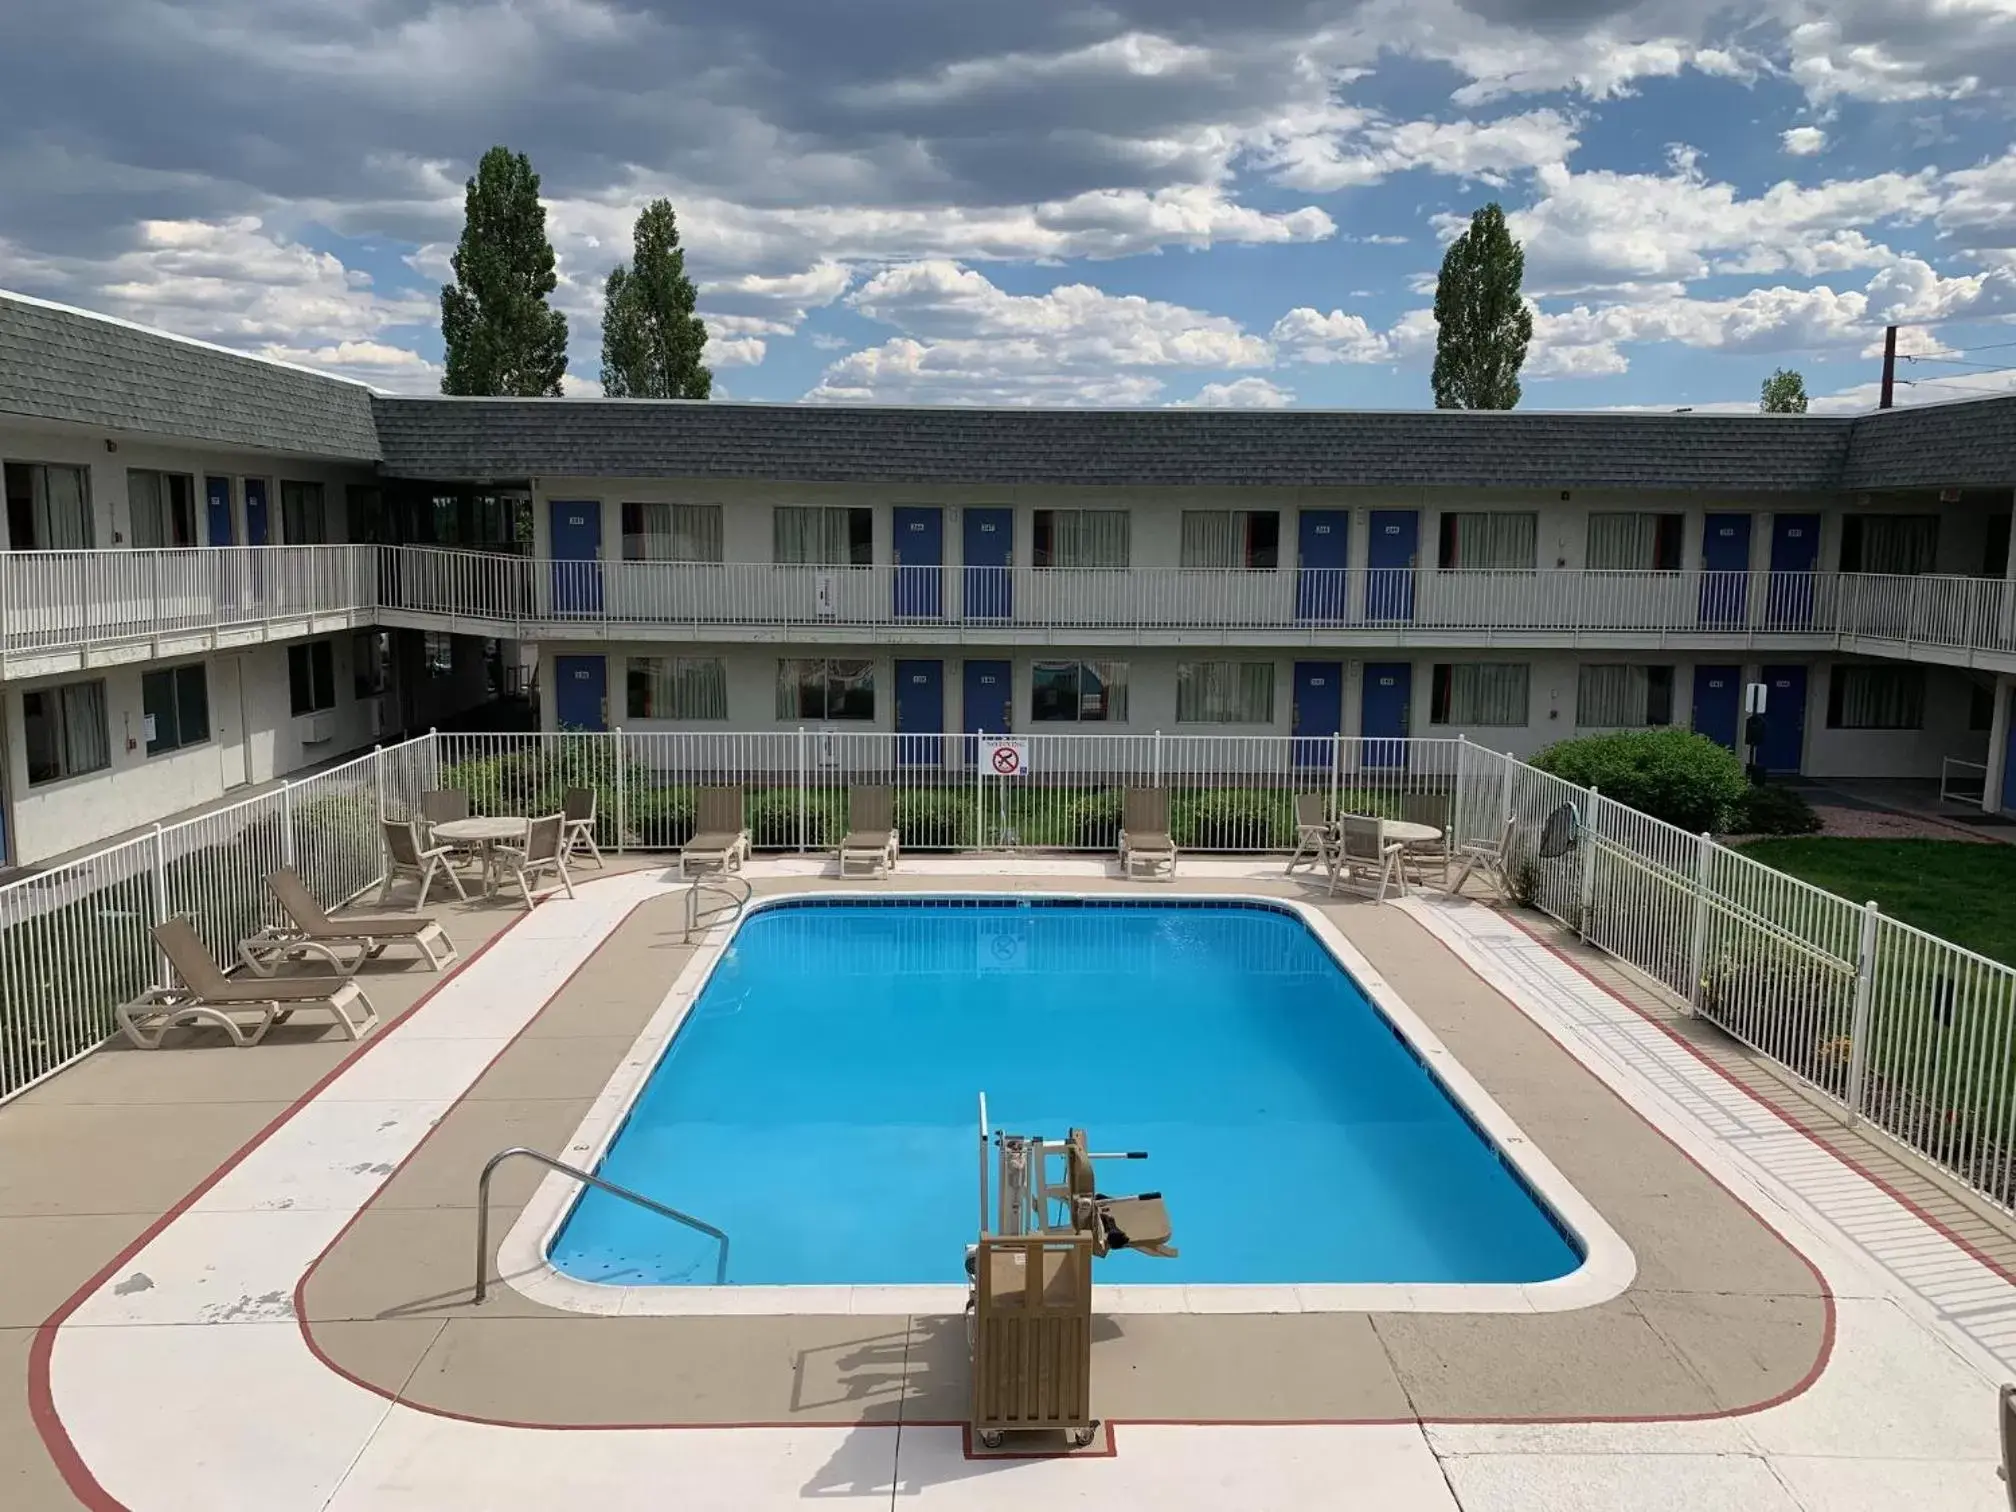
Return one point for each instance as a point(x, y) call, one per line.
point(184, 1376)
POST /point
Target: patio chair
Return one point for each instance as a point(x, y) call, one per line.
point(405, 856)
point(1422, 857)
point(1312, 828)
point(206, 995)
point(544, 850)
point(1492, 857)
point(312, 931)
point(1362, 848)
point(1144, 834)
point(720, 838)
point(577, 805)
point(2005, 1422)
point(444, 806)
point(871, 830)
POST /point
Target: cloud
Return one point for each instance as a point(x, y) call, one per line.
point(1348, 149)
point(737, 351)
point(1803, 141)
point(1241, 393)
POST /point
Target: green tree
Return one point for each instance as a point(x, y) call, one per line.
point(1784, 394)
point(651, 339)
point(500, 336)
point(1484, 324)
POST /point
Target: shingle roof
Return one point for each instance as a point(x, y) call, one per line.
point(1968, 442)
point(499, 439)
point(63, 364)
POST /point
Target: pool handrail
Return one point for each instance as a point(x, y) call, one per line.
point(723, 887)
point(483, 1211)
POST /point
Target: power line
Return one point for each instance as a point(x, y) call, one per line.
point(1965, 388)
point(1987, 367)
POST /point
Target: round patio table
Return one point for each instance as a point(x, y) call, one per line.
point(1411, 832)
point(485, 835)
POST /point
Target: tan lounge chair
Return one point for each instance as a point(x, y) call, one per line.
point(544, 850)
point(871, 830)
point(1312, 829)
point(1362, 849)
point(1144, 834)
point(578, 806)
point(206, 995)
point(720, 838)
point(312, 931)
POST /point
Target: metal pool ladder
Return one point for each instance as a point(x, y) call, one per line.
point(722, 887)
point(483, 1211)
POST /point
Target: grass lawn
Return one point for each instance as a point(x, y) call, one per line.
point(1960, 891)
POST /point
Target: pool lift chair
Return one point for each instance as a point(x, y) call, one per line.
point(1029, 1298)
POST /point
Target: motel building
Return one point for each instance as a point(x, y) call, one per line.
point(220, 571)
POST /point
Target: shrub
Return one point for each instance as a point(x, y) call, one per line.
point(1776, 811)
point(940, 819)
point(773, 815)
point(1092, 820)
point(659, 817)
point(1234, 819)
point(1674, 775)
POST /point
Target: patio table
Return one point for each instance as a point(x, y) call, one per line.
point(486, 835)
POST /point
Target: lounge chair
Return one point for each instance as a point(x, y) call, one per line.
point(578, 807)
point(720, 838)
point(1144, 834)
point(871, 830)
point(1491, 857)
point(1361, 848)
point(405, 856)
point(544, 850)
point(310, 926)
point(206, 995)
point(1312, 828)
point(1422, 857)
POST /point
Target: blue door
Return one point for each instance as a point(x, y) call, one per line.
point(1321, 557)
point(577, 556)
point(258, 524)
point(1718, 704)
point(1795, 552)
point(1385, 707)
point(580, 692)
point(1319, 710)
point(919, 550)
point(987, 702)
point(1784, 718)
point(219, 491)
point(989, 555)
point(1390, 556)
point(1725, 570)
point(2009, 761)
point(920, 711)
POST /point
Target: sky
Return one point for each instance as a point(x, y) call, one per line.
point(1054, 202)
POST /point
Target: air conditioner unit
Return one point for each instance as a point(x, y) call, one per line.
point(317, 729)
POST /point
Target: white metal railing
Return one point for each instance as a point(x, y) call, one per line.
point(1962, 781)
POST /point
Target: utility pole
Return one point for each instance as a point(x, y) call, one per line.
point(1889, 366)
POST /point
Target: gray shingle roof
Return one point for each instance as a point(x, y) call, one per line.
point(500, 439)
point(61, 364)
point(1968, 442)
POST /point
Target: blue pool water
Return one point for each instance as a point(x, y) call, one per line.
point(819, 1103)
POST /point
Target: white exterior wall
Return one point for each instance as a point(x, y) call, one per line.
point(1895, 753)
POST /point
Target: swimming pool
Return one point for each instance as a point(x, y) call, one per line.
point(818, 1102)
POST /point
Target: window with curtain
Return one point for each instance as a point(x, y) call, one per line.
point(829, 688)
point(1081, 538)
point(48, 508)
point(1635, 542)
point(437, 650)
point(302, 520)
point(1232, 538)
point(162, 506)
point(311, 677)
point(680, 687)
point(1876, 698)
point(65, 732)
point(1623, 695)
point(1494, 539)
point(1479, 693)
point(1224, 692)
point(1895, 543)
point(1073, 692)
point(672, 532)
point(817, 537)
point(175, 703)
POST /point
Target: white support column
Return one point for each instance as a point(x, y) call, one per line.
point(1998, 746)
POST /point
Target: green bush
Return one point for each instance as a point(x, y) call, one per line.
point(935, 819)
point(1092, 820)
point(660, 818)
point(1229, 819)
point(773, 815)
point(1674, 775)
point(1776, 811)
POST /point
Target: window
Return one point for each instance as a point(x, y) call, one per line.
point(672, 532)
point(1225, 692)
point(163, 507)
point(1635, 542)
point(64, 730)
point(1497, 539)
point(175, 703)
point(437, 649)
point(1907, 544)
point(824, 537)
point(48, 508)
point(680, 687)
point(1617, 696)
point(1082, 538)
point(370, 651)
point(826, 689)
point(1074, 692)
point(1249, 538)
point(1876, 698)
point(1479, 693)
point(311, 677)
point(302, 522)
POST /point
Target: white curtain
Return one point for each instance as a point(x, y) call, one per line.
point(62, 509)
point(811, 537)
point(1212, 538)
point(1089, 538)
point(678, 687)
point(301, 517)
point(674, 533)
point(1108, 686)
point(1495, 540)
point(1223, 692)
point(1907, 544)
point(87, 746)
point(820, 689)
point(1610, 696)
point(144, 503)
point(1488, 693)
point(1623, 542)
point(1879, 698)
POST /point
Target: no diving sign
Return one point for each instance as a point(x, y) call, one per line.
point(1003, 756)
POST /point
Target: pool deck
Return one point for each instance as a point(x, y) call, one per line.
point(241, 1278)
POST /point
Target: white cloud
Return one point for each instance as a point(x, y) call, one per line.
point(1345, 148)
point(827, 341)
point(1803, 141)
point(734, 351)
point(1241, 393)
point(1309, 335)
